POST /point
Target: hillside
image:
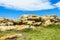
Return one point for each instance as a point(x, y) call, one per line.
point(30, 27)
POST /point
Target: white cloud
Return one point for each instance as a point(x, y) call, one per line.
point(27, 4)
point(57, 5)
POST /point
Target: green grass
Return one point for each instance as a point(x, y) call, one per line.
point(51, 32)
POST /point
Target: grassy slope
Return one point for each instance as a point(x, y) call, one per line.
point(42, 33)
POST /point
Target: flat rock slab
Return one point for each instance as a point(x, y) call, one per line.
point(11, 37)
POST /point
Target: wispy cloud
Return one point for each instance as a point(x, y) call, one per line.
point(27, 4)
point(57, 5)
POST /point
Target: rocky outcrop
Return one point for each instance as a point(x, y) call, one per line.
point(28, 21)
point(31, 20)
point(34, 20)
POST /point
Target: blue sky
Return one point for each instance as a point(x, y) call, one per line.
point(15, 13)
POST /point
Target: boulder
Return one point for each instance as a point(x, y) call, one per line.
point(22, 27)
point(2, 19)
point(34, 18)
point(37, 23)
point(33, 27)
point(10, 23)
point(44, 18)
point(47, 23)
point(6, 28)
point(17, 22)
point(3, 24)
point(24, 17)
point(30, 22)
point(11, 37)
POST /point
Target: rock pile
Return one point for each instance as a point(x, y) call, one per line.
point(34, 20)
point(31, 20)
point(28, 21)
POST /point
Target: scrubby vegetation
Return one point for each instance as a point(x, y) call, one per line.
point(51, 32)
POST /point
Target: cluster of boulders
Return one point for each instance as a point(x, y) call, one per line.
point(31, 20)
point(25, 21)
point(34, 20)
point(28, 21)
